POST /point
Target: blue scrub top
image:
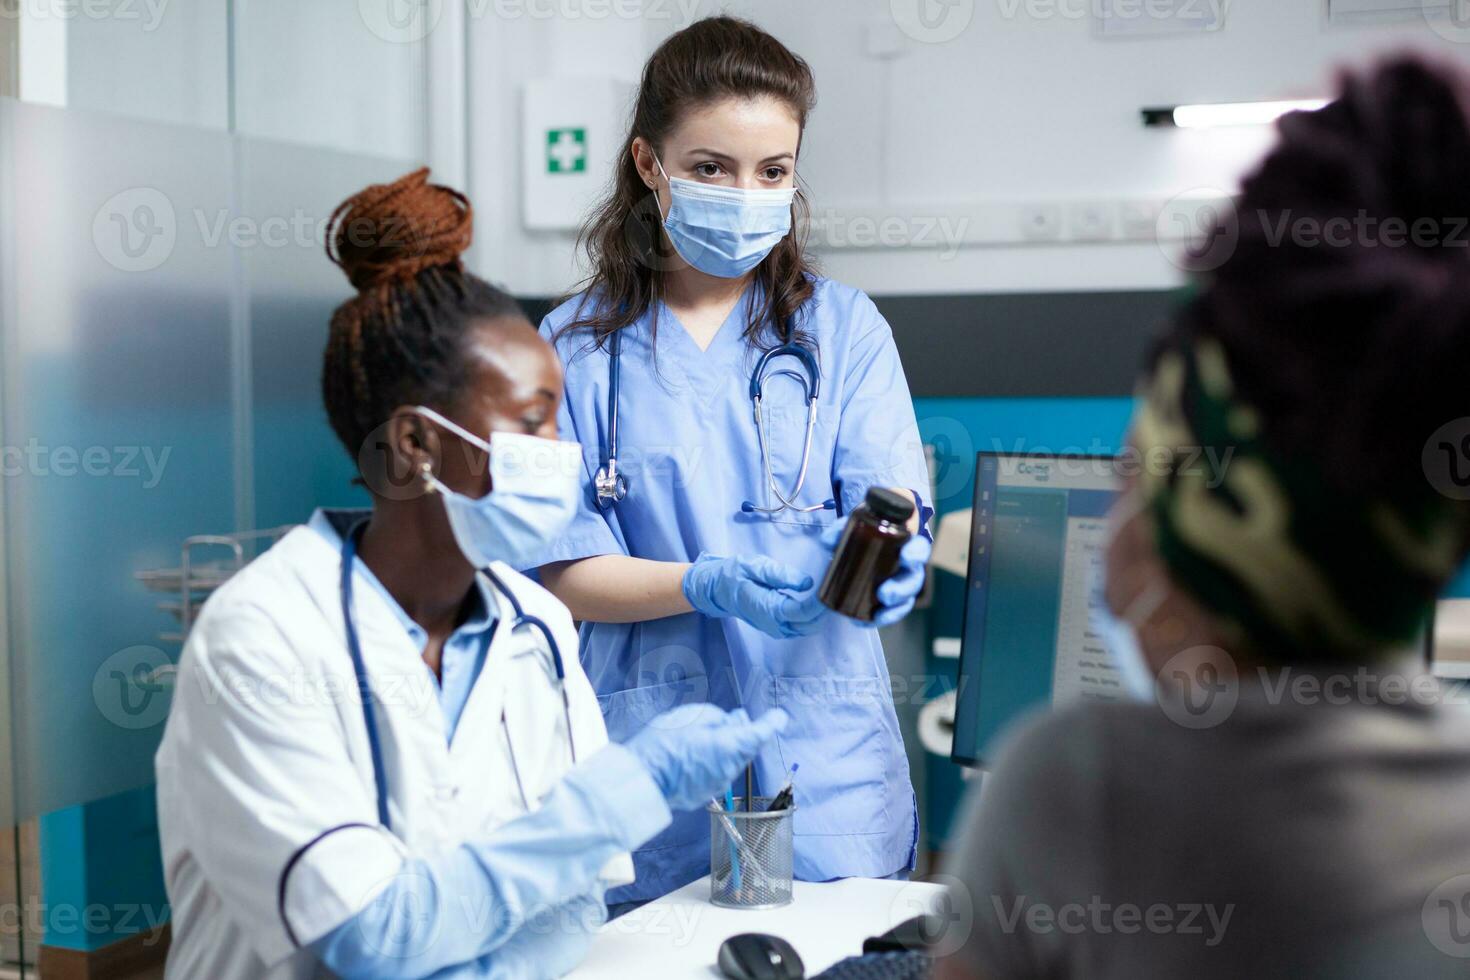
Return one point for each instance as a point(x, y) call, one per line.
point(689, 449)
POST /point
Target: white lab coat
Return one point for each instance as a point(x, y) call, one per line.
point(266, 750)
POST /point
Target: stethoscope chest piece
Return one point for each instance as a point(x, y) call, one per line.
point(610, 485)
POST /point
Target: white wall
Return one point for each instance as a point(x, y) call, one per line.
point(319, 73)
point(1026, 107)
point(505, 52)
point(323, 74)
point(159, 60)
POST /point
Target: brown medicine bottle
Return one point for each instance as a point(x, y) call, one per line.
point(867, 555)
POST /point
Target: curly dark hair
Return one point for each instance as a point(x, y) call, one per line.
point(1350, 341)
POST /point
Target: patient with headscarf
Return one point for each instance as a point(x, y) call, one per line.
point(1288, 794)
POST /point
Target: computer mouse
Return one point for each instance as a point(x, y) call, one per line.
point(757, 956)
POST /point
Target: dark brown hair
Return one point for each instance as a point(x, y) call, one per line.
point(401, 339)
point(712, 59)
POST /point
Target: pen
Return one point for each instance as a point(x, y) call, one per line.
point(783, 798)
point(734, 851)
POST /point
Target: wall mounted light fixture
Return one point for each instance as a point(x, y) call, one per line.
point(1219, 114)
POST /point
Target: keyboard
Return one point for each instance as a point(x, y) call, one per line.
point(880, 966)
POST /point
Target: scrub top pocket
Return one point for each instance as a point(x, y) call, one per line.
point(628, 712)
point(837, 735)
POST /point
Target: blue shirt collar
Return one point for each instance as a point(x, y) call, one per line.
point(332, 524)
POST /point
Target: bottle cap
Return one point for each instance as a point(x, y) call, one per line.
point(889, 505)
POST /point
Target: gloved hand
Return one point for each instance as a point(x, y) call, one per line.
point(694, 751)
point(898, 593)
point(756, 590)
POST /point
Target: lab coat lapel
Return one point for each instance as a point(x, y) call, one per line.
point(400, 679)
point(519, 684)
point(405, 704)
point(421, 780)
point(508, 697)
point(479, 723)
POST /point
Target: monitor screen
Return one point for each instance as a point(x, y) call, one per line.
point(1036, 544)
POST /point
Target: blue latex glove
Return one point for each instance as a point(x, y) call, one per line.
point(518, 903)
point(898, 593)
point(694, 751)
point(757, 590)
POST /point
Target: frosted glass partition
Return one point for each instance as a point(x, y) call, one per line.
point(164, 302)
point(345, 75)
point(116, 424)
point(8, 248)
point(163, 60)
point(293, 289)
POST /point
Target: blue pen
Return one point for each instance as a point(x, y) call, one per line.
point(734, 853)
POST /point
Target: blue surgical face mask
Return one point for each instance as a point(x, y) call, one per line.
point(534, 485)
point(725, 231)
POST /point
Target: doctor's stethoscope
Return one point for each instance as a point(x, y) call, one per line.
point(611, 486)
point(359, 668)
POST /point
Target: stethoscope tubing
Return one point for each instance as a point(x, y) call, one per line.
point(610, 486)
point(614, 394)
point(359, 668)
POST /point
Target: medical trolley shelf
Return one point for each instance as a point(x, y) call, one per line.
point(194, 579)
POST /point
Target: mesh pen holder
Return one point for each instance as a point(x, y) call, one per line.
point(750, 855)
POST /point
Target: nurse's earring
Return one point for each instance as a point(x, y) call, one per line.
point(426, 474)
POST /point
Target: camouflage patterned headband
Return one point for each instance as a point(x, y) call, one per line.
point(1289, 563)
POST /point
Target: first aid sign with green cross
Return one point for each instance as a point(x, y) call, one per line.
point(566, 151)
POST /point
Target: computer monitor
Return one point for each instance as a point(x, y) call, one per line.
point(1036, 544)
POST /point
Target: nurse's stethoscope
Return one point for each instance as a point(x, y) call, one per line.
point(359, 668)
point(611, 486)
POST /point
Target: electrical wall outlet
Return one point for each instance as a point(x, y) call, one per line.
point(1138, 221)
point(1041, 222)
point(1093, 222)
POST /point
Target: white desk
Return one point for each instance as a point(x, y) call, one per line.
point(680, 934)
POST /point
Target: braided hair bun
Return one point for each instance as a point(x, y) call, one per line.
point(392, 232)
point(402, 339)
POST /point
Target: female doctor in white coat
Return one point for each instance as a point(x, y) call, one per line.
point(383, 758)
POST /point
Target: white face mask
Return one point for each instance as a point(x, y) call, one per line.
point(1120, 633)
point(1120, 636)
point(533, 497)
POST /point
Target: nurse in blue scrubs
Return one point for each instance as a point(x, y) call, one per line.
point(692, 578)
